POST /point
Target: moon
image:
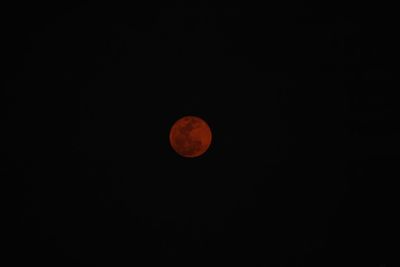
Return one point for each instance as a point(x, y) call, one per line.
point(190, 136)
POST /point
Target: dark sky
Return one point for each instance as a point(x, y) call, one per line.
point(299, 169)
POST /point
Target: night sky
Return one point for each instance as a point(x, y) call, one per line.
point(304, 134)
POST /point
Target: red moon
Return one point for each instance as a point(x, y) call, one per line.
point(190, 136)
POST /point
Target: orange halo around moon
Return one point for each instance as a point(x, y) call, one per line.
point(190, 136)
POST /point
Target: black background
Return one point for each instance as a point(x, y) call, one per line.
point(304, 134)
